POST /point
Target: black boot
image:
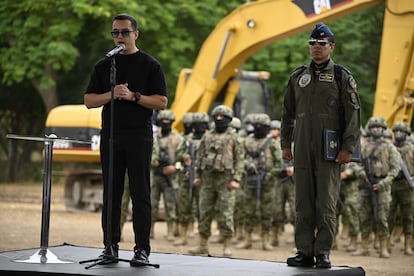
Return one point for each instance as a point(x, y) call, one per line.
point(300, 259)
point(322, 261)
point(110, 254)
point(140, 258)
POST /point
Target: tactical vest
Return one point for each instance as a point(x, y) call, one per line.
point(168, 145)
point(253, 146)
point(379, 152)
point(218, 155)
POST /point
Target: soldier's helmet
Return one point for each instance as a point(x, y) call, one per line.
point(200, 117)
point(248, 118)
point(401, 126)
point(223, 110)
point(187, 118)
point(166, 115)
point(261, 118)
point(377, 122)
point(235, 123)
point(275, 124)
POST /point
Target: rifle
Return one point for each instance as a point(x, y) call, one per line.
point(368, 181)
point(405, 172)
point(164, 160)
point(259, 174)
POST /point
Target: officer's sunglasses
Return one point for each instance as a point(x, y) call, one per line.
point(124, 33)
point(319, 41)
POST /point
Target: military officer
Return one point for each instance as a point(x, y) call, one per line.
point(320, 95)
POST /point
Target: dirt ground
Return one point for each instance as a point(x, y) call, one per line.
point(20, 224)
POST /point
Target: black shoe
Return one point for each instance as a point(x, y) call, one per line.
point(322, 261)
point(110, 254)
point(300, 259)
point(140, 258)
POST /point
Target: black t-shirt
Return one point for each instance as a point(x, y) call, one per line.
point(144, 74)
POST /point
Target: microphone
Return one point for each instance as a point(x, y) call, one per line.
point(115, 50)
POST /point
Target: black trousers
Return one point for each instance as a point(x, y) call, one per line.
point(132, 154)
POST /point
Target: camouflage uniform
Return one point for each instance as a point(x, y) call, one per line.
point(187, 205)
point(263, 162)
point(401, 193)
point(219, 169)
point(349, 197)
point(239, 206)
point(284, 197)
point(168, 142)
point(380, 161)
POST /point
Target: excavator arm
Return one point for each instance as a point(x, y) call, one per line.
point(258, 24)
point(394, 96)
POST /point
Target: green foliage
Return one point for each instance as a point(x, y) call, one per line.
point(49, 47)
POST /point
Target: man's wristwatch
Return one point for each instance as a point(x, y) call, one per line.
point(137, 96)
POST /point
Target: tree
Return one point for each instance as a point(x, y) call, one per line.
point(40, 39)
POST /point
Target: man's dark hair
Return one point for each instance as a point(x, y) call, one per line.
point(124, 16)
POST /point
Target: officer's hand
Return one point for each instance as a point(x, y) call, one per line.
point(168, 170)
point(343, 157)
point(287, 154)
point(234, 184)
point(197, 182)
point(375, 187)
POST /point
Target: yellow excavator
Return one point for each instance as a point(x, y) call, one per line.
point(217, 77)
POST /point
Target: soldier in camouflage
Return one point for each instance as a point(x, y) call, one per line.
point(381, 166)
point(219, 170)
point(163, 170)
point(263, 162)
point(351, 174)
point(188, 195)
point(401, 193)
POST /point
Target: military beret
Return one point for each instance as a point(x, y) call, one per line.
point(321, 31)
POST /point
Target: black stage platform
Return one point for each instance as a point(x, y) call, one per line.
point(170, 265)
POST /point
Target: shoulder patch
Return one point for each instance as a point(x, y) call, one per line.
point(352, 82)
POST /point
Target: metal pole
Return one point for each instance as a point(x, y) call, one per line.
point(47, 187)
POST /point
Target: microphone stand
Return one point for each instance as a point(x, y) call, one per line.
point(111, 258)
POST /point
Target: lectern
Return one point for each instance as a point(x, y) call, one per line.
point(44, 255)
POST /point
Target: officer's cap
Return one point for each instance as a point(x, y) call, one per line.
point(321, 31)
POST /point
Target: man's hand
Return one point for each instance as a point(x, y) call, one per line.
point(168, 170)
point(343, 157)
point(197, 182)
point(122, 92)
point(233, 184)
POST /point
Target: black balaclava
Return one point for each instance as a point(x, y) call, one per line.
point(400, 137)
point(199, 130)
point(188, 129)
point(165, 127)
point(223, 124)
point(260, 131)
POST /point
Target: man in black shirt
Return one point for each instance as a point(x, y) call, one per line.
point(140, 88)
